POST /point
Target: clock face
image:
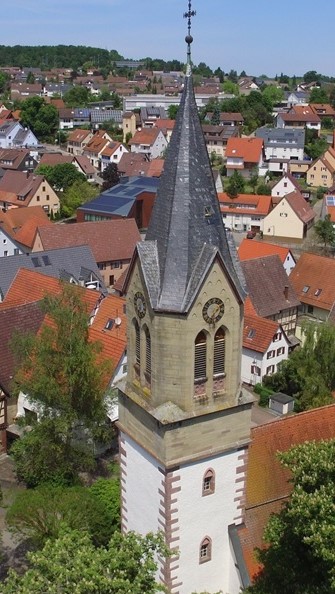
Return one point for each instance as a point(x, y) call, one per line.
point(213, 310)
point(140, 305)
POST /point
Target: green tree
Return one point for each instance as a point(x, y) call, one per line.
point(324, 232)
point(300, 557)
point(273, 93)
point(215, 121)
point(172, 111)
point(230, 87)
point(235, 184)
point(78, 96)
point(111, 176)
point(30, 78)
point(71, 564)
point(76, 195)
point(310, 76)
point(40, 514)
point(60, 371)
point(263, 189)
point(318, 96)
point(253, 181)
point(41, 118)
point(4, 81)
point(309, 373)
point(61, 176)
point(314, 146)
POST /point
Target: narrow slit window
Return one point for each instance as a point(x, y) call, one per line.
point(200, 355)
point(219, 352)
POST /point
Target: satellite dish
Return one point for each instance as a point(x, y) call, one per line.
point(118, 322)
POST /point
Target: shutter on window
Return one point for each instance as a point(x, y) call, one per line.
point(148, 353)
point(219, 354)
point(200, 360)
point(137, 346)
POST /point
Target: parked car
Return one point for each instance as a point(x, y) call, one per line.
point(251, 234)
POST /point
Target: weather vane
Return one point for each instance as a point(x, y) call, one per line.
point(188, 15)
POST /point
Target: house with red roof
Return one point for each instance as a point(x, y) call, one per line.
point(264, 346)
point(245, 212)
point(244, 155)
point(290, 218)
point(149, 141)
point(300, 116)
point(322, 171)
point(112, 243)
point(18, 228)
point(249, 250)
point(112, 153)
point(285, 185)
point(19, 189)
point(95, 146)
point(313, 280)
point(77, 140)
point(268, 484)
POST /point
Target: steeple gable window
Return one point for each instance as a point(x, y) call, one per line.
point(137, 347)
point(147, 353)
point(219, 353)
point(200, 358)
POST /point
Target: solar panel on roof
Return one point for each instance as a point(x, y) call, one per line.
point(330, 200)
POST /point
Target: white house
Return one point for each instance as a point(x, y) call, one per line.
point(112, 153)
point(150, 141)
point(8, 247)
point(284, 186)
point(265, 344)
point(282, 143)
point(14, 135)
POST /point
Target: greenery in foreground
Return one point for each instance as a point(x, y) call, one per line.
point(71, 564)
point(300, 558)
point(62, 373)
point(309, 373)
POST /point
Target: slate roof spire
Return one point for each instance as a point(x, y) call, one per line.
point(186, 232)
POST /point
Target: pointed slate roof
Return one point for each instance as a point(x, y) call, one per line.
point(186, 232)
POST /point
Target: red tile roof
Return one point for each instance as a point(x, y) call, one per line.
point(21, 223)
point(299, 205)
point(245, 204)
point(53, 159)
point(109, 240)
point(313, 279)
point(145, 136)
point(20, 183)
point(258, 333)
point(267, 484)
point(78, 135)
point(249, 149)
point(256, 249)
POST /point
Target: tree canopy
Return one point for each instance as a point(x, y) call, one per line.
point(324, 232)
point(111, 176)
point(61, 176)
point(300, 558)
point(71, 564)
point(60, 371)
point(309, 373)
point(40, 117)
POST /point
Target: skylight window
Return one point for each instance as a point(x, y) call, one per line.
point(318, 292)
point(251, 333)
point(109, 324)
point(36, 262)
point(306, 289)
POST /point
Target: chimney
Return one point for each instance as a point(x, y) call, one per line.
point(286, 292)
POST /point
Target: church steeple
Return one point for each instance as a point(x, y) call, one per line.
point(186, 231)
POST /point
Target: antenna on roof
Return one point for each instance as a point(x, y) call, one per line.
point(189, 39)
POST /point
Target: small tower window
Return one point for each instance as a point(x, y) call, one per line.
point(208, 483)
point(205, 553)
point(200, 356)
point(147, 352)
point(219, 352)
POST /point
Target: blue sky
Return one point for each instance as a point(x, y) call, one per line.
point(258, 36)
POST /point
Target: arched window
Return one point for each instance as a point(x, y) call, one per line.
point(200, 356)
point(208, 482)
point(205, 552)
point(219, 352)
point(147, 351)
point(137, 344)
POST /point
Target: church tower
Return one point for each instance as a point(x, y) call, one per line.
point(183, 428)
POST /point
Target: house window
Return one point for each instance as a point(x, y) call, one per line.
point(147, 352)
point(310, 309)
point(270, 354)
point(280, 351)
point(219, 352)
point(200, 355)
point(4, 241)
point(205, 553)
point(43, 188)
point(255, 370)
point(16, 251)
point(277, 336)
point(208, 483)
point(270, 369)
point(37, 198)
point(48, 197)
point(5, 253)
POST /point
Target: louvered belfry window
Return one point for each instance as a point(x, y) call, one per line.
point(137, 344)
point(147, 352)
point(200, 356)
point(219, 352)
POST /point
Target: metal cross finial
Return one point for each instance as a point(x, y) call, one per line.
point(188, 15)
